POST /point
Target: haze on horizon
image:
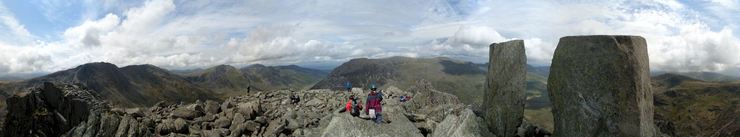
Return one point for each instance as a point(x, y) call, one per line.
point(48, 36)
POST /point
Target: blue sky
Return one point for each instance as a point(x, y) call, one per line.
point(47, 36)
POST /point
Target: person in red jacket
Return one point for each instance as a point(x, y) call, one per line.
point(373, 107)
point(353, 107)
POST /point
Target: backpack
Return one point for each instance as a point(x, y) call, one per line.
point(380, 95)
point(355, 108)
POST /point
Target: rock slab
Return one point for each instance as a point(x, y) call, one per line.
point(464, 125)
point(504, 95)
point(600, 86)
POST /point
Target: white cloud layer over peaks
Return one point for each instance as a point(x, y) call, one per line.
point(177, 34)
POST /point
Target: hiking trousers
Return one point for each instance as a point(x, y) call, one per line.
point(378, 118)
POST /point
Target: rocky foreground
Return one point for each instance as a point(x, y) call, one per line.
point(72, 110)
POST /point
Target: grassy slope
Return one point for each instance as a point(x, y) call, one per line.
point(698, 108)
point(282, 77)
point(467, 86)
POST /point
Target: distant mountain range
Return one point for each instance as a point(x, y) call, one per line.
point(144, 85)
point(704, 76)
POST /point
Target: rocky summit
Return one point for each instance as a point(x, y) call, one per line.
point(72, 110)
point(504, 94)
point(600, 86)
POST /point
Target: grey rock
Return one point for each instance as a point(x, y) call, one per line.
point(465, 125)
point(427, 98)
point(292, 124)
point(238, 119)
point(249, 109)
point(211, 107)
point(167, 126)
point(275, 127)
point(505, 84)
point(48, 110)
point(237, 129)
point(223, 132)
point(136, 112)
point(600, 86)
point(261, 120)
point(314, 102)
point(123, 126)
point(187, 112)
point(181, 126)
point(133, 127)
point(252, 126)
point(211, 133)
point(226, 105)
point(531, 130)
point(109, 124)
point(348, 126)
point(222, 122)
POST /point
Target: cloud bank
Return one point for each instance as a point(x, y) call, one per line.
point(182, 34)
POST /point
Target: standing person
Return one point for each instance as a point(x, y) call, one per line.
point(348, 86)
point(373, 107)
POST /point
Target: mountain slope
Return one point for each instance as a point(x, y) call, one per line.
point(463, 79)
point(140, 85)
point(221, 79)
point(710, 76)
point(104, 78)
point(160, 84)
point(689, 107)
point(460, 78)
point(281, 77)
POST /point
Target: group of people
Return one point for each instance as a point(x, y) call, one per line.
point(373, 106)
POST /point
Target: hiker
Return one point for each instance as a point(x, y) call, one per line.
point(353, 106)
point(348, 86)
point(373, 106)
point(405, 98)
point(294, 99)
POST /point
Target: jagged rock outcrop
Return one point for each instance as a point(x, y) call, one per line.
point(47, 111)
point(70, 110)
point(600, 86)
point(130, 86)
point(506, 81)
point(436, 113)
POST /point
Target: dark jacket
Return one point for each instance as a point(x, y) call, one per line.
point(373, 102)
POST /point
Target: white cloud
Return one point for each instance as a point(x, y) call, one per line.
point(88, 33)
point(8, 23)
point(186, 34)
point(677, 40)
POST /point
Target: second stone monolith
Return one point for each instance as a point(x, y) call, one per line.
point(600, 87)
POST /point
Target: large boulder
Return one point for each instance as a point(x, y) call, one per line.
point(464, 125)
point(348, 126)
point(505, 85)
point(211, 107)
point(249, 109)
point(187, 112)
point(600, 86)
